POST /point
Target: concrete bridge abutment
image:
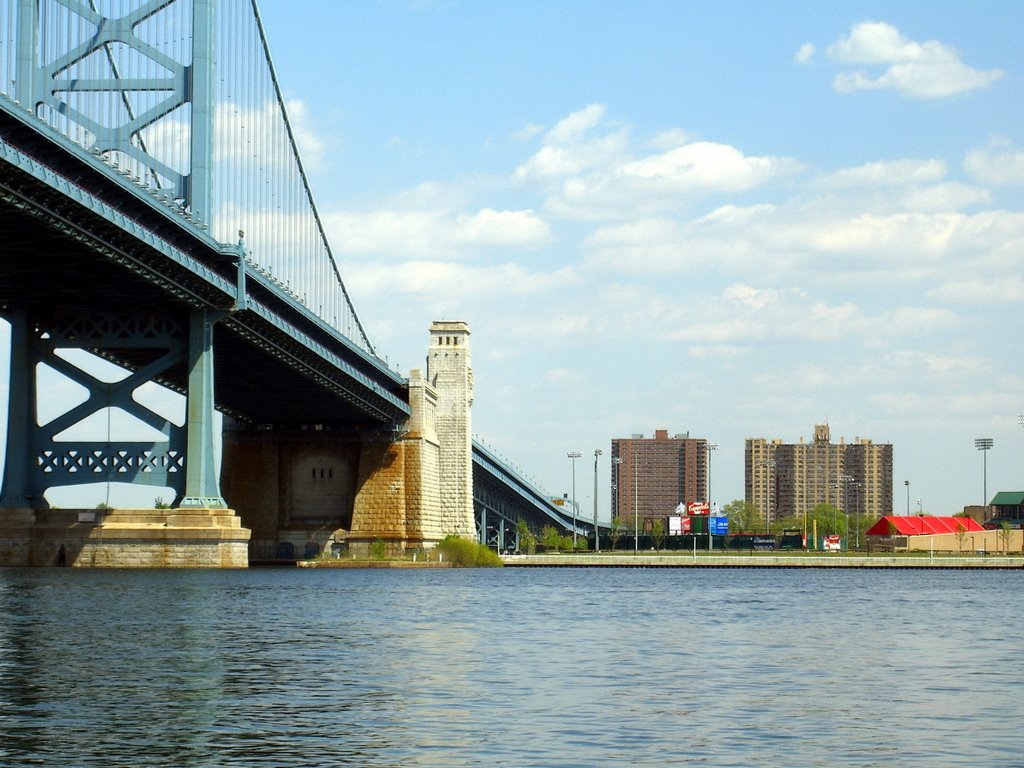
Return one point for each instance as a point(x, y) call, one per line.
point(323, 490)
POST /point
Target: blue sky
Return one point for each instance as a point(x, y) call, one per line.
point(728, 219)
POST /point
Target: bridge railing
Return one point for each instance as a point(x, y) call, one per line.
point(530, 496)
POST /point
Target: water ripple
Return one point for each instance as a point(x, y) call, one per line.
point(508, 668)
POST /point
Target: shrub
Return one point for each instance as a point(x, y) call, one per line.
point(378, 550)
point(550, 538)
point(464, 553)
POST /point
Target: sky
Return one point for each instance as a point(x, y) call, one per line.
point(725, 219)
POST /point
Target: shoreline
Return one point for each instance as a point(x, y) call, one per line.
point(706, 560)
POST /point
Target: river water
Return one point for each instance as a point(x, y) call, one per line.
point(511, 667)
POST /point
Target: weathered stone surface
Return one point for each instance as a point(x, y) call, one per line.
point(130, 538)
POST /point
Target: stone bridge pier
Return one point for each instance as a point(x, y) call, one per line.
point(309, 489)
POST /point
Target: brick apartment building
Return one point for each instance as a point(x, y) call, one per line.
point(652, 476)
point(788, 479)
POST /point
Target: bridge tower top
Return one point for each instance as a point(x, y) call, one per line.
point(450, 372)
point(449, 333)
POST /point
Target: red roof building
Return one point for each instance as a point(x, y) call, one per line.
point(922, 525)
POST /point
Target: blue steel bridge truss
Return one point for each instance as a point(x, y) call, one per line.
point(92, 262)
point(153, 206)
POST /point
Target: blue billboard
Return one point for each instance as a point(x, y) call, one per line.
point(719, 526)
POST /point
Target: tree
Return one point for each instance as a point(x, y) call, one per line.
point(831, 520)
point(550, 538)
point(615, 531)
point(658, 532)
point(527, 538)
point(742, 516)
point(961, 531)
point(1005, 534)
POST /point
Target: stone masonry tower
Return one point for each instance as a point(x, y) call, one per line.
point(450, 372)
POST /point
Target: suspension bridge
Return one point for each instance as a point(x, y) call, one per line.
point(160, 235)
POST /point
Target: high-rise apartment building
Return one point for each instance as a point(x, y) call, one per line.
point(789, 479)
point(652, 476)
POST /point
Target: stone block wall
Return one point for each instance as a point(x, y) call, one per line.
point(124, 538)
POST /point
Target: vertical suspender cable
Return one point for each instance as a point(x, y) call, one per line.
point(305, 184)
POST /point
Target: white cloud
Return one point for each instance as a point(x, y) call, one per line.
point(806, 54)
point(573, 127)
point(312, 148)
point(887, 173)
point(434, 278)
point(948, 366)
point(939, 198)
point(666, 140)
point(573, 147)
point(754, 298)
point(996, 164)
point(980, 291)
point(702, 166)
point(588, 167)
point(434, 233)
point(926, 70)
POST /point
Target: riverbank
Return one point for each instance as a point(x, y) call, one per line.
point(761, 560)
point(341, 563)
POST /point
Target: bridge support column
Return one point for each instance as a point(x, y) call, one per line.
point(43, 456)
point(21, 416)
point(201, 487)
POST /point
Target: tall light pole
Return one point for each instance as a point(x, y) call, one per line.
point(572, 456)
point(856, 509)
point(769, 465)
point(617, 486)
point(846, 480)
point(597, 534)
point(907, 483)
point(983, 444)
point(711, 447)
point(636, 499)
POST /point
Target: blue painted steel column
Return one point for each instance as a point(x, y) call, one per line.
point(201, 486)
point(21, 415)
point(483, 525)
point(201, 96)
point(28, 15)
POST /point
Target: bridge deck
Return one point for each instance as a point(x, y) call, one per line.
point(79, 236)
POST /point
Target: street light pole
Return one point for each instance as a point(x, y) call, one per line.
point(572, 456)
point(617, 488)
point(846, 480)
point(983, 444)
point(856, 509)
point(711, 448)
point(769, 465)
point(597, 534)
point(636, 501)
point(907, 483)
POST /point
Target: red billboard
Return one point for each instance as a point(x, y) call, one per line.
point(698, 508)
